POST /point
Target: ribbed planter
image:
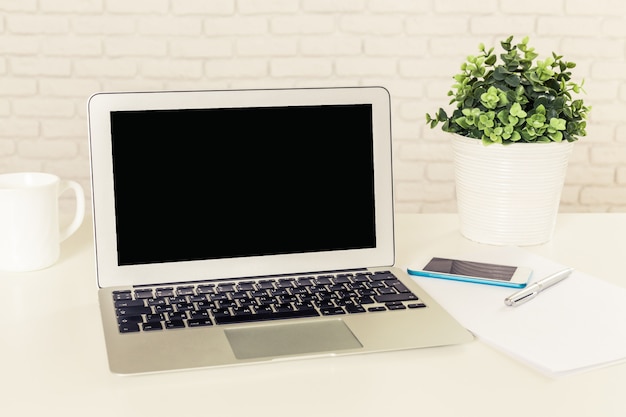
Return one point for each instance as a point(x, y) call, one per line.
point(509, 194)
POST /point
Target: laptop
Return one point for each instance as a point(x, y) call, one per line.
point(250, 226)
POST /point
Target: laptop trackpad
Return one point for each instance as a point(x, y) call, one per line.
point(291, 339)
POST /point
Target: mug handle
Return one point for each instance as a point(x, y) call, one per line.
point(79, 214)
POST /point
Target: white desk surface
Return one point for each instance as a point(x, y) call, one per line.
point(52, 354)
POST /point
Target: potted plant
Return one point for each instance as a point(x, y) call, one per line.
point(514, 125)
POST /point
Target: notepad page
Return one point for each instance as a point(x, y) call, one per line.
point(573, 326)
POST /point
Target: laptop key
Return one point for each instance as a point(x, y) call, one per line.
point(157, 301)
point(144, 293)
point(305, 282)
point(283, 308)
point(387, 298)
point(122, 295)
point(123, 320)
point(219, 313)
point(199, 322)
point(174, 324)
point(197, 299)
point(365, 300)
point(129, 327)
point(205, 289)
point(218, 297)
point(399, 286)
point(165, 292)
point(263, 309)
point(242, 311)
point(129, 303)
point(285, 283)
point(246, 286)
point(332, 311)
point(179, 315)
point(185, 290)
point(266, 285)
point(396, 305)
point(154, 318)
point(184, 306)
point(133, 311)
point(342, 279)
point(383, 275)
point(323, 280)
point(284, 314)
point(163, 309)
point(354, 308)
point(152, 326)
point(225, 287)
point(325, 304)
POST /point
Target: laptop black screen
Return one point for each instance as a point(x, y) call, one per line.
point(237, 182)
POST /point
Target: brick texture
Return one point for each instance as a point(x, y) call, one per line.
point(55, 53)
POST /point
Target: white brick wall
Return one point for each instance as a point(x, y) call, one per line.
point(55, 53)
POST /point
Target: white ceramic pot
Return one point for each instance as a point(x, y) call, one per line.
point(509, 194)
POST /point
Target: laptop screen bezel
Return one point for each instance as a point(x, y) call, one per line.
point(109, 273)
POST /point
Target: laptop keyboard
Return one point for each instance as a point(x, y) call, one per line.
point(227, 302)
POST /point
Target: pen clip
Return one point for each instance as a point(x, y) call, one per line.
point(515, 301)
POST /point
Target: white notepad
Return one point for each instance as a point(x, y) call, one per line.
point(574, 326)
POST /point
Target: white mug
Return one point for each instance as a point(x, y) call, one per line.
point(30, 234)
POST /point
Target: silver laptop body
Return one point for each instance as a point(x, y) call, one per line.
point(203, 190)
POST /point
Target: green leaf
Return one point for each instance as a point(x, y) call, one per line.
point(491, 98)
point(446, 127)
point(530, 56)
point(516, 110)
point(558, 124)
point(506, 45)
point(503, 116)
point(500, 74)
point(462, 121)
point(512, 80)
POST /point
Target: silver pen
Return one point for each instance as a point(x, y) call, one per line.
point(531, 292)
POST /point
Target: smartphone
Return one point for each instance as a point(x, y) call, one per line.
point(476, 272)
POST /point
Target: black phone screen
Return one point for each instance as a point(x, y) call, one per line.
point(471, 269)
